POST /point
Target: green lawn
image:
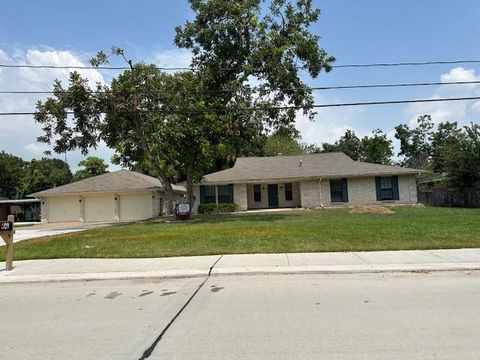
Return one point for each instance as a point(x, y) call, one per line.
point(295, 231)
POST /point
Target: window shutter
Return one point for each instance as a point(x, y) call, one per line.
point(378, 187)
point(396, 195)
point(230, 193)
point(202, 194)
point(344, 190)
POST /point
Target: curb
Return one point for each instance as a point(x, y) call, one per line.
point(6, 278)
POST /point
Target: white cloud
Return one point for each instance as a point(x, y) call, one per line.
point(461, 111)
point(476, 107)
point(36, 149)
point(172, 58)
point(459, 74)
point(57, 58)
point(19, 133)
point(3, 55)
point(329, 123)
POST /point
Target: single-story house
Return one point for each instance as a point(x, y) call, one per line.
point(308, 181)
point(117, 196)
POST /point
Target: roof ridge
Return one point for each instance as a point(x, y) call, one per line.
point(291, 156)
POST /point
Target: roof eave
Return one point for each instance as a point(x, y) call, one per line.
point(325, 176)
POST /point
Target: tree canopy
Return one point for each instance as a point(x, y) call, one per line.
point(12, 170)
point(92, 166)
point(374, 148)
point(19, 178)
point(415, 144)
point(183, 124)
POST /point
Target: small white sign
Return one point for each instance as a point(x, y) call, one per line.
point(183, 208)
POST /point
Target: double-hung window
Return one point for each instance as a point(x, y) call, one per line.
point(387, 188)
point(338, 190)
point(208, 195)
point(225, 194)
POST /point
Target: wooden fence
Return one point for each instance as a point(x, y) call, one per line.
point(450, 197)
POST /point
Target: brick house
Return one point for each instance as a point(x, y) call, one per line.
point(308, 181)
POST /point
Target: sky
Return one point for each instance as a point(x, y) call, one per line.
point(59, 32)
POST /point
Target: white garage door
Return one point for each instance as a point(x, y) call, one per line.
point(63, 208)
point(135, 207)
point(99, 208)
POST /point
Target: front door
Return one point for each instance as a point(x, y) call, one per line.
point(272, 195)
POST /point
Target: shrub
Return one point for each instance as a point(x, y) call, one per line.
point(215, 208)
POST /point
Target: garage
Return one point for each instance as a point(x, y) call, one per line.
point(99, 208)
point(63, 208)
point(117, 196)
point(135, 206)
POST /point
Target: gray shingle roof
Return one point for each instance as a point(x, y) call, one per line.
point(122, 180)
point(325, 165)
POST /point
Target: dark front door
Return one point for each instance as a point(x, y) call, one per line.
point(272, 195)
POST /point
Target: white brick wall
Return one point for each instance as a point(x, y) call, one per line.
point(361, 191)
point(310, 193)
point(240, 197)
point(315, 193)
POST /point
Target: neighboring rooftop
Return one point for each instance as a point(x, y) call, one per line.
point(18, 201)
point(329, 165)
point(115, 181)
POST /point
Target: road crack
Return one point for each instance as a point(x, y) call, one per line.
point(148, 352)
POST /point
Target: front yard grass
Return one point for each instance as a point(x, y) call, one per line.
point(295, 231)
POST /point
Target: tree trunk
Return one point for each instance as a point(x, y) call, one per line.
point(139, 129)
point(190, 196)
point(170, 197)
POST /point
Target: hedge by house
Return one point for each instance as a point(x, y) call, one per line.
point(216, 208)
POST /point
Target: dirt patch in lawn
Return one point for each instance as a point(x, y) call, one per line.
point(372, 210)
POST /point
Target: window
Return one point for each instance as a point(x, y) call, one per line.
point(207, 195)
point(225, 194)
point(288, 192)
point(257, 193)
point(338, 190)
point(387, 188)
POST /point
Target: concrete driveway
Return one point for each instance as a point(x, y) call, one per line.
point(42, 230)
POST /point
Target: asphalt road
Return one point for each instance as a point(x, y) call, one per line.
point(374, 316)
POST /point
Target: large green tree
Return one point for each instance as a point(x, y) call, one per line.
point(461, 158)
point(349, 144)
point(373, 148)
point(12, 170)
point(91, 166)
point(183, 123)
point(44, 174)
point(238, 42)
point(445, 139)
point(376, 148)
point(415, 145)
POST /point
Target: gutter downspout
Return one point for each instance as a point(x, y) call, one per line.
point(320, 192)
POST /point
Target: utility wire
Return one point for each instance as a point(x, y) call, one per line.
point(367, 103)
point(339, 87)
point(366, 65)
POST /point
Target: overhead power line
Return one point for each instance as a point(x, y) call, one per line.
point(316, 106)
point(339, 66)
point(339, 87)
